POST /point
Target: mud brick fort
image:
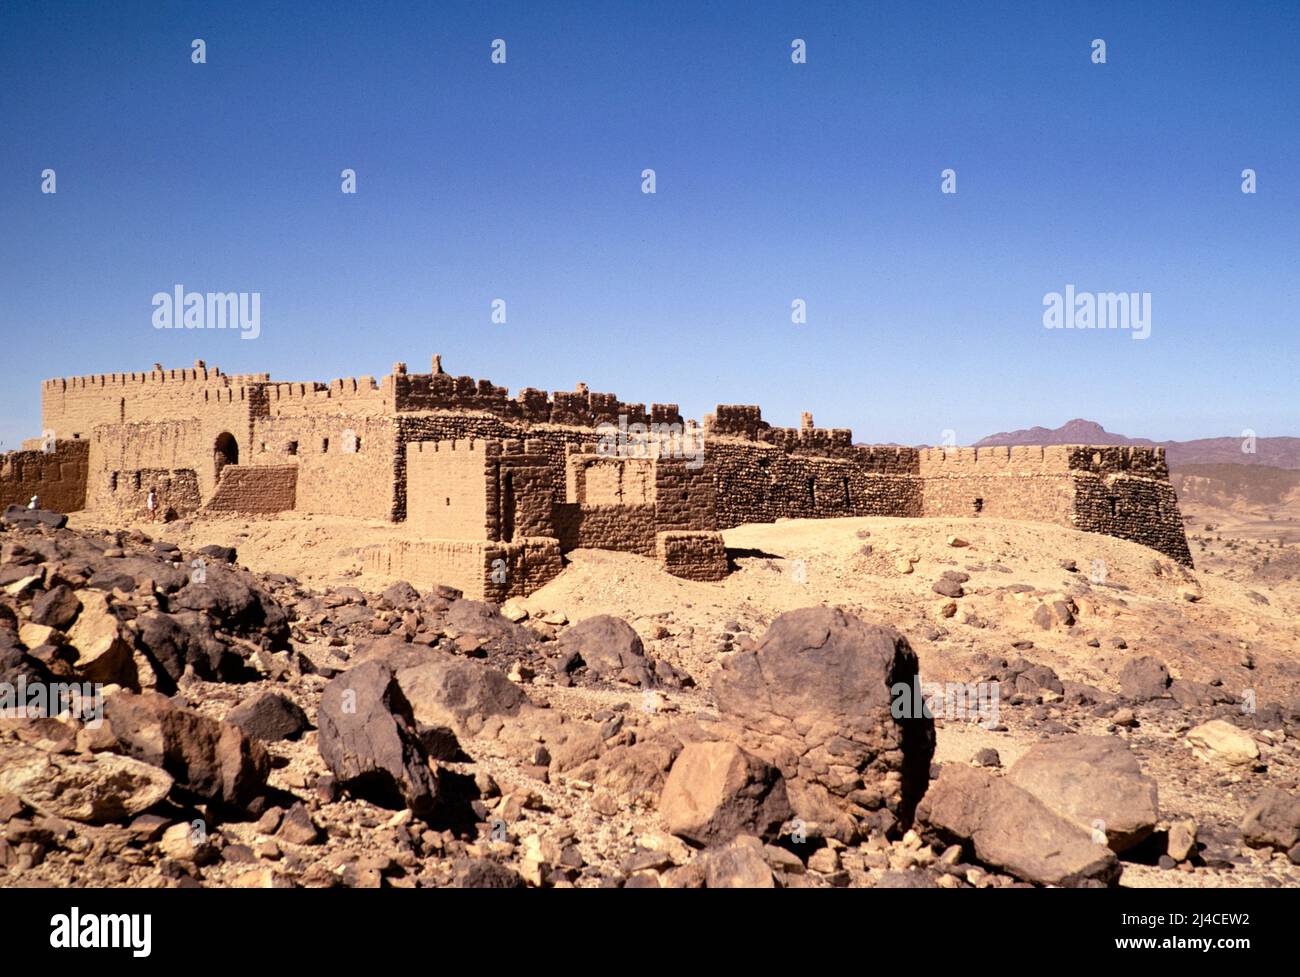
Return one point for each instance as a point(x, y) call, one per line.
point(494, 489)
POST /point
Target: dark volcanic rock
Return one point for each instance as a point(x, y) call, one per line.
point(609, 648)
point(270, 717)
point(56, 608)
point(212, 761)
point(17, 515)
point(814, 699)
point(369, 740)
point(1144, 678)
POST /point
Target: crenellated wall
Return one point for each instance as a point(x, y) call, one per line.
point(353, 447)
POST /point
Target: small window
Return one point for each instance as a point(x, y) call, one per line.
point(357, 442)
point(979, 505)
point(448, 501)
point(324, 445)
point(293, 447)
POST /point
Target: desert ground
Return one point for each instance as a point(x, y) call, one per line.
point(1086, 635)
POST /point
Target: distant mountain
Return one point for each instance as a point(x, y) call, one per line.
point(1275, 452)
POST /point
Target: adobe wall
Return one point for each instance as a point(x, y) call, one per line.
point(483, 570)
point(447, 487)
point(170, 442)
point(1020, 482)
point(254, 490)
point(1122, 490)
point(73, 406)
point(332, 480)
point(549, 441)
point(59, 477)
point(125, 494)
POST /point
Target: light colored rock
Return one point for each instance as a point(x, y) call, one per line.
point(1012, 830)
point(514, 611)
point(104, 788)
point(104, 647)
point(1093, 781)
point(35, 635)
point(1182, 840)
point(1220, 741)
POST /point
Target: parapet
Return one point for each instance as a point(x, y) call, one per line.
point(1032, 459)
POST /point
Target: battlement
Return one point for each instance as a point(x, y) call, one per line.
point(1033, 459)
point(1146, 461)
point(199, 373)
point(487, 447)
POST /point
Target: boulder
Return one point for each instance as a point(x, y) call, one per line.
point(813, 697)
point(1144, 678)
point(368, 739)
point(96, 789)
point(24, 518)
point(174, 641)
point(212, 761)
point(1095, 782)
point(1220, 741)
point(56, 607)
point(235, 600)
point(738, 865)
point(104, 646)
point(1012, 830)
point(1272, 821)
point(716, 791)
point(270, 717)
point(610, 649)
point(446, 690)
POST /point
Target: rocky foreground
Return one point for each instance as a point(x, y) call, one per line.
point(246, 731)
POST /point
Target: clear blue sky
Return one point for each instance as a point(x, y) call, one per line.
point(776, 181)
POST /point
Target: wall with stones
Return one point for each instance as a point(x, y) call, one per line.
point(758, 482)
point(59, 477)
point(625, 528)
point(692, 555)
point(1144, 510)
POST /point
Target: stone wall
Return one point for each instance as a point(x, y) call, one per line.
point(692, 555)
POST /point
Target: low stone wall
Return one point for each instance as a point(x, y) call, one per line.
point(692, 555)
